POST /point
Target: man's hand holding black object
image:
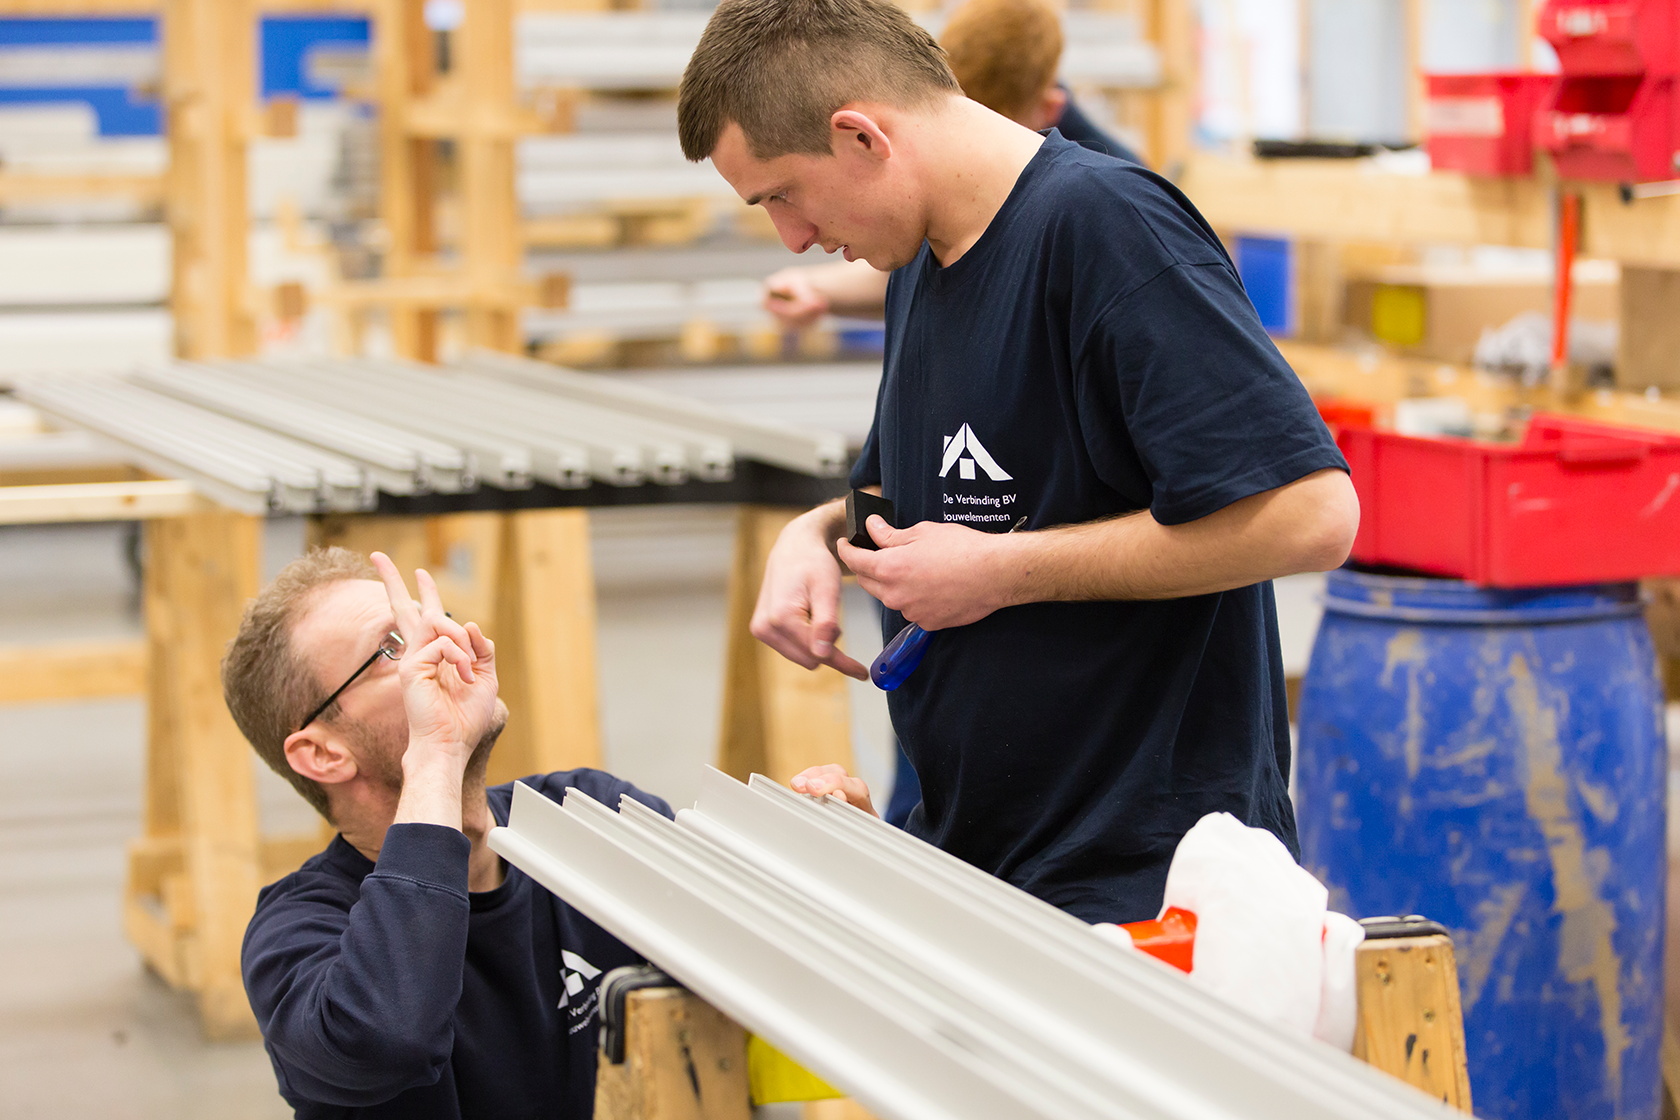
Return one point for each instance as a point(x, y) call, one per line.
point(798, 612)
point(936, 575)
point(448, 677)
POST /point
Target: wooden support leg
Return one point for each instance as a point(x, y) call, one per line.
point(1410, 1022)
point(778, 719)
point(194, 873)
point(527, 579)
point(683, 1060)
point(546, 622)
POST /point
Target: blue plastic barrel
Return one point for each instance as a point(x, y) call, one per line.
point(1495, 760)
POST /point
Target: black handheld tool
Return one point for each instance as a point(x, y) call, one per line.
point(859, 505)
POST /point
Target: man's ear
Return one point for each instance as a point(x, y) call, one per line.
point(858, 133)
point(320, 757)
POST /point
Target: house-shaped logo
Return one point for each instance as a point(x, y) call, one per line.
point(574, 971)
point(963, 450)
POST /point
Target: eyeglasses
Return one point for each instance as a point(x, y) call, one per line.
point(391, 647)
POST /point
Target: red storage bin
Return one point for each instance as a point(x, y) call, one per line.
point(1483, 124)
point(1613, 36)
point(1336, 412)
point(1575, 502)
point(1615, 129)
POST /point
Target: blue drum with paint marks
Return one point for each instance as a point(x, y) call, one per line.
point(1495, 760)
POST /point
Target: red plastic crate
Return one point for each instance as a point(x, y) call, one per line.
point(1613, 36)
point(1343, 413)
point(1614, 129)
point(1575, 502)
point(1483, 124)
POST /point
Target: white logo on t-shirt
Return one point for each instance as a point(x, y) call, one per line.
point(573, 972)
point(966, 441)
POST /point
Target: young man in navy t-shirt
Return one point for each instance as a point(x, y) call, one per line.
point(406, 971)
point(1068, 344)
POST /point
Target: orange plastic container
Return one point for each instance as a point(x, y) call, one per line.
point(1171, 937)
point(1574, 502)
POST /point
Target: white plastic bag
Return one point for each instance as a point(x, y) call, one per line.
point(1265, 940)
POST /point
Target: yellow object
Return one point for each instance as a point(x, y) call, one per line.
point(1399, 314)
point(775, 1077)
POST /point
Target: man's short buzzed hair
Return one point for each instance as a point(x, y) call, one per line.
point(1004, 52)
point(781, 68)
point(267, 686)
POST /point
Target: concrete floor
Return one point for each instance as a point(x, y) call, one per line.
point(85, 1030)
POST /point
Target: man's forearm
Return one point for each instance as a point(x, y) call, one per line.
point(1305, 526)
point(852, 288)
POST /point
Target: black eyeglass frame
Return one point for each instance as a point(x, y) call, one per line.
point(382, 651)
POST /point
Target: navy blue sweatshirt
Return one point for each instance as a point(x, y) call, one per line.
point(387, 990)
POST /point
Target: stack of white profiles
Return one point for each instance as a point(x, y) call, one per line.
point(313, 435)
point(923, 987)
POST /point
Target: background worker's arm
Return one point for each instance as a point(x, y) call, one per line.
point(941, 575)
point(801, 295)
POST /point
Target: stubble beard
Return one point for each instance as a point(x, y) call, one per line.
point(384, 763)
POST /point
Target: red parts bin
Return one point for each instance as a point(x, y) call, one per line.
point(1575, 502)
point(1613, 36)
point(1336, 412)
point(1617, 129)
point(1483, 124)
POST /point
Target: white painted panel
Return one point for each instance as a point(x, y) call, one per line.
point(88, 265)
point(82, 341)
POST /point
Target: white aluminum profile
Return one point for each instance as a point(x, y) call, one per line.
point(649, 50)
point(1062, 976)
point(928, 942)
point(706, 456)
point(817, 453)
point(371, 389)
point(611, 458)
point(337, 483)
point(227, 484)
point(774, 968)
point(399, 462)
point(501, 462)
point(227, 456)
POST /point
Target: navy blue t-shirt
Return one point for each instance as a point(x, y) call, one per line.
point(1093, 354)
point(388, 990)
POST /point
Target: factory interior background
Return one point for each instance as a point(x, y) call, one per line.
point(1448, 224)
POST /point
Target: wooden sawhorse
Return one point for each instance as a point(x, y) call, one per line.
point(682, 1059)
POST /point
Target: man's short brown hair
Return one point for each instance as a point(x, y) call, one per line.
point(781, 68)
point(1004, 52)
point(267, 686)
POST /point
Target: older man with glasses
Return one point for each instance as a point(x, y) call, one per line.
point(406, 970)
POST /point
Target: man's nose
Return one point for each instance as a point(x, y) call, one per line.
point(796, 233)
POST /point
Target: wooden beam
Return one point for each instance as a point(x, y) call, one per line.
point(99, 501)
point(545, 620)
point(72, 670)
point(209, 77)
point(1410, 1022)
point(683, 1060)
point(1381, 378)
point(25, 187)
point(778, 719)
point(1351, 200)
point(201, 570)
